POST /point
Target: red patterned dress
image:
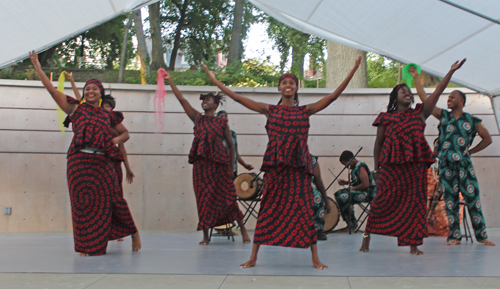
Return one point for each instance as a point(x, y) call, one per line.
point(400, 205)
point(212, 176)
point(99, 212)
point(286, 210)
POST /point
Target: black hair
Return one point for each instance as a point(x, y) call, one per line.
point(393, 99)
point(463, 95)
point(218, 97)
point(346, 156)
point(295, 99)
point(109, 100)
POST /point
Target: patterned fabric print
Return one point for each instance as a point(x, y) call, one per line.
point(235, 141)
point(357, 197)
point(318, 202)
point(456, 136)
point(399, 208)
point(286, 210)
point(98, 209)
point(457, 173)
point(208, 140)
point(459, 177)
point(99, 212)
point(286, 213)
point(404, 137)
point(287, 129)
point(92, 128)
point(212, 177)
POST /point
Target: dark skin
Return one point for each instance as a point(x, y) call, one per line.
point(456, 104)
point(209, 107)
point(92, 94)
point(404, 101)
point(321, 186)
point(364, 185)
point(288, 87)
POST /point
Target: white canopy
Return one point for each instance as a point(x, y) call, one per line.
point(38, 25)
point(431, 33)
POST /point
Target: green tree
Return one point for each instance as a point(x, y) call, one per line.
point(382, 71)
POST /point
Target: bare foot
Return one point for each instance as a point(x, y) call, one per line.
point(415, 251)
point(487, 243)
point(249, 263)
point(81, 254)
point(119, 240)
point(246, 238)
point(317, 264)
point(204, 242)
point(453, 242)
point(136, 242)
point(365, 246)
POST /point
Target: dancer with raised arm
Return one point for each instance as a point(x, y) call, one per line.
point(401, 157)
point(457, 130)
point(99, 214)
point(212, 165)
point(286, 213)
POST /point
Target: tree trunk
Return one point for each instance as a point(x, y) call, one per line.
point(235, 44)
point(177, 38)
point(157, 51)
point(298, 55)
point(124, 50)
point(340, 62)
point(141, 46)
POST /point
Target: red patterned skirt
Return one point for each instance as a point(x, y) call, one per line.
point(215, 194)
point(99, 211)
point(400, 205)
point(286, 216)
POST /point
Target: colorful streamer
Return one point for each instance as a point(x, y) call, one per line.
point(60, 113)
point(159, 101)
point(406, 74)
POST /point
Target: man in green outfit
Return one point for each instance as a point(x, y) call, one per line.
point(457, 130)
point(361, 190)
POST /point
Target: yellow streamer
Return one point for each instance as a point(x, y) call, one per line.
point(60, 113)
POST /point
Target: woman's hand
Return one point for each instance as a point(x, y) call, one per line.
point(328, 209)
point(248, 167)
point(167, 76)
point(68, 76)
point(357, 63)
point(210, 73)
point(455, 66)
point(343, 182)
point(34, 59)
point(413, 71)
point(130, 176)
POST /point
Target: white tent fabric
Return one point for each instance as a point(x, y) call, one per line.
point(38, 25)
point(431, 33)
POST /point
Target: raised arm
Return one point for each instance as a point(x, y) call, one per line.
point(327, 100)
point(485, 139)
point(190, 111)
point(430, 102)
point(69, 77)
point(58, 96)
point(246, 102)
point(436, 112)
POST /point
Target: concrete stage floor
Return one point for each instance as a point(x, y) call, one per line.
point(174, 259)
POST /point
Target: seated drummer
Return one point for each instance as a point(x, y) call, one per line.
point(362, 188)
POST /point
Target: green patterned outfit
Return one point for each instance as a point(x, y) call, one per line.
point(457, 174)
point(357, 197)
point(318, 202)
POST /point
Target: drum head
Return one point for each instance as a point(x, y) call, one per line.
point(242, 184)
point(332, 218)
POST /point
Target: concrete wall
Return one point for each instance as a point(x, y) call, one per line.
point(33, 150)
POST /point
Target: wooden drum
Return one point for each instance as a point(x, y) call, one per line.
point(332, 218)
point(248, 186)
